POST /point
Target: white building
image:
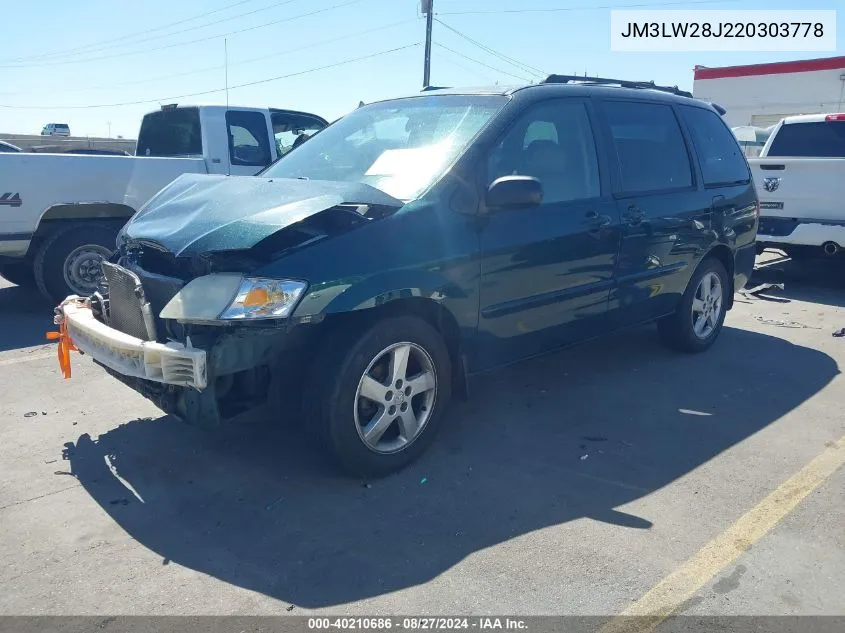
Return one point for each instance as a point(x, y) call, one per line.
point(762, 94)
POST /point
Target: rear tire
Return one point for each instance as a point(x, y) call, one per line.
point(375, 437)
point(69, 261)
point(19, 273)
point(696, 323)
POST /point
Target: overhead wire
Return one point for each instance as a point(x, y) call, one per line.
point(202, 39)
point(131, 35)
point(584, 8)
point(531, 70)
point(237, 16)
point(215, 90)
point(220, 66)
point(467, 57)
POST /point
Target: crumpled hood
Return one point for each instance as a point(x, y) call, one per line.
point(200, 213)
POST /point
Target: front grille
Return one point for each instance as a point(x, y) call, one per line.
point(125, 293)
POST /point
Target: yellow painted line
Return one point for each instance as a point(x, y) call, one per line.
point(27, 359)
point(663, 599)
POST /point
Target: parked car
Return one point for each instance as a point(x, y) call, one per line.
point(55, 129)
point(58, 235)
point(800, 179)
point(416, 243)
point(8, 147)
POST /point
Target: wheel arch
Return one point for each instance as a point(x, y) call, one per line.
point(79, 212)
point(432, 312)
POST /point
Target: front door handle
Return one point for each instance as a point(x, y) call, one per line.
point(595, 219)
point(634, 215)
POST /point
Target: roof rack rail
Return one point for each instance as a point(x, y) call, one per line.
point(650, 85)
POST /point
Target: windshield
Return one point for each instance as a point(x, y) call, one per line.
point(400, 147)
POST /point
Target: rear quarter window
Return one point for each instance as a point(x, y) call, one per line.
point(823, 139)
point(171, 133)
point(718, 151)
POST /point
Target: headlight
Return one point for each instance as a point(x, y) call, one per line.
point(230, 296)
point(259, 298)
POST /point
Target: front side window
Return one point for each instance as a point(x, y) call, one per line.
point(552, 142)
point(718, 151)
point(248, 141)
point(400, 147)
point(649, 146)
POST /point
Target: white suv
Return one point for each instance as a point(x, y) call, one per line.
point(56, 129)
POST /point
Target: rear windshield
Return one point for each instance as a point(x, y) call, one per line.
point(171, 133)
point(61, 126)
point(825, 139)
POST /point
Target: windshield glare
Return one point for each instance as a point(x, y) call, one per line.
point(400, 147)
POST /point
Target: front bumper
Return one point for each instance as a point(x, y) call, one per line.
point(169, 363)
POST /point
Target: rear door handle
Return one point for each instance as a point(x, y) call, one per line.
point(634, 215)
point(593, 218)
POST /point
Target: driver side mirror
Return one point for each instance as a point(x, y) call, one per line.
point(514, 192)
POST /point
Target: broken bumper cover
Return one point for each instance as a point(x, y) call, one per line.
point(166, 363)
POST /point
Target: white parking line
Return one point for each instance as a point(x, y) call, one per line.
point(28, 358)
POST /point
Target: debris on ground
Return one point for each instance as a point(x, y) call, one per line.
point(30, 414)
point(839, 333)
point(272, 505)
point(366, 485)
point(124, 502)
point(783, 323)
point(423, 480)
point(63, 472)
point(585, 456)
point(50, 461)
point(594, 438)
point(290, 608)
point(760, 288)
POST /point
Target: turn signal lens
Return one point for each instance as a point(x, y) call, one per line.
point(262, 298)
point(256, 297)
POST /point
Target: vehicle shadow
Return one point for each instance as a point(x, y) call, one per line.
point(256, 508)
point(816, 280)
point(26, 317)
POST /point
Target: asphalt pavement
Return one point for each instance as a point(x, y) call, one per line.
point(616, 477)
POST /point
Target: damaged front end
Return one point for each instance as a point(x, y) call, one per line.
point(195, 330)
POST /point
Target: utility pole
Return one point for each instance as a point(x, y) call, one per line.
point(427, 7)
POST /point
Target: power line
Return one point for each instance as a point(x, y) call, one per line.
point(219, 67)
point(181, 31)
point(458, 64)
point(131, 35)
point(202, 39)
point(215, 90)
point(498, 70)
point(589, 8)
point(514, 62)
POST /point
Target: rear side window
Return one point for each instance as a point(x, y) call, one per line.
point(649, 146)
point(825, 139)
point(248, 140)
point(717, 148)
point(171, 133)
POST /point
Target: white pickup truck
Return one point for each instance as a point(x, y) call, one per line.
point(60, 213)
point(800, 180)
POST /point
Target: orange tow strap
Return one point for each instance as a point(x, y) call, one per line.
point(64, 349)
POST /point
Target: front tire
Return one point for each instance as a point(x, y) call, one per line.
point(375, 399)
point(69, 262)
point(696, 323)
